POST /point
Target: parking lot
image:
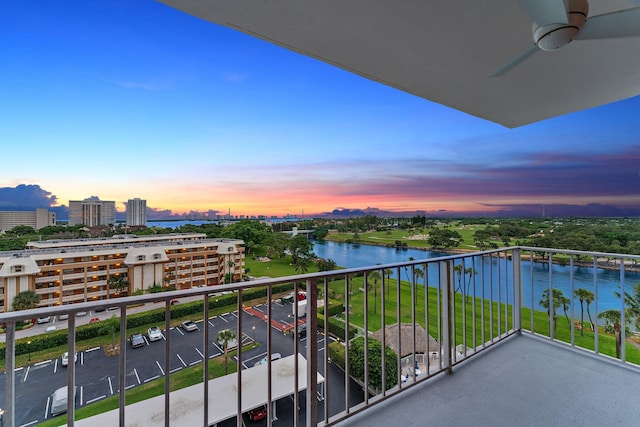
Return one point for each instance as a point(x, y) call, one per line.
point(97, 374)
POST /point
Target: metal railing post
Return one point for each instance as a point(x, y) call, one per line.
point(446, 272)
point(8, 417)
point(312, 353)
point(517, 291)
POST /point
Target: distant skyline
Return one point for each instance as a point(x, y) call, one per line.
point(135, 99)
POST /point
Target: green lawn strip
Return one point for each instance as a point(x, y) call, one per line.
point(184, 378)
point(492, 329)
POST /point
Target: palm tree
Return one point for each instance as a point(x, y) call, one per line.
point(224, 337)
point(612, 318)
point(117, 282)
point(25, 300)
point(302, 266)
point(374, 277)
point(632, 304)
point(583, 295)
point(589, 299)
point(551, 304)
point(418, 273)
point(387, 273)
point(229, 275)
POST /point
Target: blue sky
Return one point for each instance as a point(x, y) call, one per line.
point(121, 99)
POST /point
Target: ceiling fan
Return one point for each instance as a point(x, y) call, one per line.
point(556, 23)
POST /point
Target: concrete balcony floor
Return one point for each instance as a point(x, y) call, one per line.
point(524, 381)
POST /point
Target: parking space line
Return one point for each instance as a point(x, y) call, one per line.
point(211, 323)
point(222, 317)
point(110, 385)
point(26, 374)
point(155, 377)
point(55, 367)
point(18, 369)
point(92, 349)
point(200, 353)
point(129, 386)
point(217, 347)
point(214, 355)
point(175, 369)
point(135, 371)
point(195, 363)
point(81, 394)
point(96, 399)
point(234, 313)
point(43, 363)
point(160, 367)
point(184, 364)
point(179, 330)
point(46, 408)
point(29, 424)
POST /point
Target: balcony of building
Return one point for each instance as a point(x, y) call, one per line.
point(469, 341)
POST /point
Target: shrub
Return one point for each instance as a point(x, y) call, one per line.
point(374, 356)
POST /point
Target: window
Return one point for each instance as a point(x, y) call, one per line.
point(156, 256)
point(141, 258)
point(17, 268)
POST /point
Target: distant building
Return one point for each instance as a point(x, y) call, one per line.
point(37, 219)
point(72, 271)
point(136, 212)
point(92, 212)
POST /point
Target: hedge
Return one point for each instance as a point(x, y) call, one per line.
point(336, 328)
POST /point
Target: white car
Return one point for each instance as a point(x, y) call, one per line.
point(45, 319)
point(189, 326)
point(154, 333)
point(65, 358)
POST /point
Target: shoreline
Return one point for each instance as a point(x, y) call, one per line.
point(604, 264)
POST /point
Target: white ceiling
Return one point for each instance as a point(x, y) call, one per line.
point(444, 50)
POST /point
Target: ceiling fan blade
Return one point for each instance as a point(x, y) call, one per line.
point(623, 23)
point(545, 11)
point(515, 62)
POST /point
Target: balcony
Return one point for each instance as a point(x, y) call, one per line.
point(475, 341)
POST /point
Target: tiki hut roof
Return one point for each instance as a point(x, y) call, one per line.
point(406, 339)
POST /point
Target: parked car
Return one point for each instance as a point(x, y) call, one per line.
point(51, 328)
point(65, 358)
point(45, 319)
point(174, 302)
point(59, 401)
point(154, 333)
point(189, 326)
point(81, 313)
point(258, 414)
point(302, 296)
point(137, 340)
point(94, 320)
point(302, 330)
point(263, 361)
point(63, 317)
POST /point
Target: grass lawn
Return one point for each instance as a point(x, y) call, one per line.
point(184, 378)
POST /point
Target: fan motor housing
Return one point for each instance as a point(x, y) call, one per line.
point(553, 36)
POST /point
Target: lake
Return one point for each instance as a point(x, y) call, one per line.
point(607, 281)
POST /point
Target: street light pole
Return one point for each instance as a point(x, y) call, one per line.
point(254, 334)
point(29, 349)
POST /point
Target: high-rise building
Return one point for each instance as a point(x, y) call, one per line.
point(92, 212)
point(37, 219)
point(136, 212)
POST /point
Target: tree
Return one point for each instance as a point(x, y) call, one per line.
point(117, 282)
point(224, 338)
point(326, 264)
point(25, 300)
point(374, 277)
point(374, 357)
point(110, 326)
point(583, 295)
point(387, 273)
point(551, 304)
point(612, 325)
point(300, 248)
point(632, 303)
point(302, 266)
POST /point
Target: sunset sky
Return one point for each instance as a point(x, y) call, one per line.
point(124, 99)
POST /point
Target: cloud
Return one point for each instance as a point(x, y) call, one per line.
point(25, 198)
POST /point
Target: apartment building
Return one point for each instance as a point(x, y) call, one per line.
point(37, 219)
point(136, 212)
point(71, 271)
point(92, 212)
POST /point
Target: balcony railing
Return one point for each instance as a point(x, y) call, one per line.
point(432, 315)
